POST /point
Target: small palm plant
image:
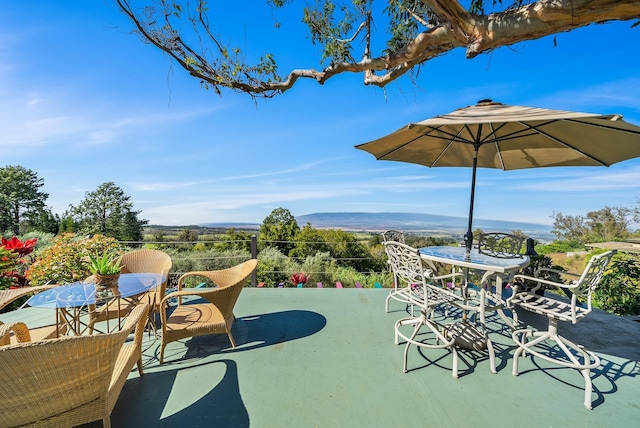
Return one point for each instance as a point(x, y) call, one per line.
point(105, 264)
point(106, 270)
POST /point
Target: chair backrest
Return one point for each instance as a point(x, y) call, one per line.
point(501, 245)
point(393, 235)
point(405, 262)
point(591, 277)
point(9, 295)
point(65, 380)
point(153, 261)
point(229, 285)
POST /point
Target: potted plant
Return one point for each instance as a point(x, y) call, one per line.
point(106, 270)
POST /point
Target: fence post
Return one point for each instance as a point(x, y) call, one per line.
point(254, 255)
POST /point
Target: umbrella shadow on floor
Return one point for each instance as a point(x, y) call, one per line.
point(167, 398)
point(254, 332)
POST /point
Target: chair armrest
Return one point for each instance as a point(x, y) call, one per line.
point(220, 278)
point(188, 292)
point(20, 330)
point(137, 319)
point(451, 276)
point(542, 281)
point(558, 271)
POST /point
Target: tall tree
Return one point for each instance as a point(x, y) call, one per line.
point(107, 211)
point(607, 224)
point(279, 230)
point(393, 38)
point(20, 197)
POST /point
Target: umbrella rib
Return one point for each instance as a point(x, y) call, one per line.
point(603, 125)
point(455, 138)
point(551, 137)
point(496, 143)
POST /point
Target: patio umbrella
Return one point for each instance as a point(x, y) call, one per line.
point(495, 135)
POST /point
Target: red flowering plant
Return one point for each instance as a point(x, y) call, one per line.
point(299, 278)
point(14, 261)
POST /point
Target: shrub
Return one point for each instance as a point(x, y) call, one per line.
point(319, 267)
point(559, 247)
point(67, 259)
point(272, 267)
point(618, 291)
point(8, 262)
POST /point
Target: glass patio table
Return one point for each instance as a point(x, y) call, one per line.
point(72, 301)
point(498, 268)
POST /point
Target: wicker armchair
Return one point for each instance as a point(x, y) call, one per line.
point(8, 296)
point(66, 381)
point(138, 261)
point(215, 315)
point(39, 333)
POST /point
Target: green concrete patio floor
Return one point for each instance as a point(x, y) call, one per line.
point(326, 358)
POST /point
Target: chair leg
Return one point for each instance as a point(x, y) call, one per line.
point(162, 352)
point(406, 347)
point(520, 337)
point(233, 342)
point(139, 363)
point(386, 304)
point(492, 355)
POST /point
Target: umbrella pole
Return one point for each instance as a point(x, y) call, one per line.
point(468, 237)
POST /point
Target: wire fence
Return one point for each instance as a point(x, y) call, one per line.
point(187, 255)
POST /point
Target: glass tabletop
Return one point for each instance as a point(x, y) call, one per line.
point(473, 259)
point(81, 294)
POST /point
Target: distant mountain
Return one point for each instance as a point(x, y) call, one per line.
point(410, 222)
point(418, 223)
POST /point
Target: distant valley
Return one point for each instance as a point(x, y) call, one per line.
point(410, 222)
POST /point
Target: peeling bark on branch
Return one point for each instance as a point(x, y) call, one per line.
point(455, 28)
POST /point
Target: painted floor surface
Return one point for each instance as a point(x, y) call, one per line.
point(327, 358)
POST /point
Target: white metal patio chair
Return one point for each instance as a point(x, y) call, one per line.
point(397, 293)
point(501, 245)
point(570, 354)
point(426, 294)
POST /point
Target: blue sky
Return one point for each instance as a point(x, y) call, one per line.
point(85, 102)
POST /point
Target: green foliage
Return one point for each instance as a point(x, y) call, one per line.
point(235, 240)
point(330, 29)
point(619, 289)
point(107, 211)
point(559, 247)
point(68, 258)
point(319, 267)
point(536, 269)
point(8, 262)
point(272, 267)
point(349, 277)
point(607, 224)
point(44, 221)
point(279, 230)
point(208, 259)
point(403, 28)
point(20, 198)
point(106, 264)
point(308, 242)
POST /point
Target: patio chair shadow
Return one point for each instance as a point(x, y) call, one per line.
point(256, 331)
point(604, 377)
point(167, 398)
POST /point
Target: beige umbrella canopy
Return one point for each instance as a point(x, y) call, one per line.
point(494, 135)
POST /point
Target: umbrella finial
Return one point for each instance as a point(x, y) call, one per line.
point(485, 101)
